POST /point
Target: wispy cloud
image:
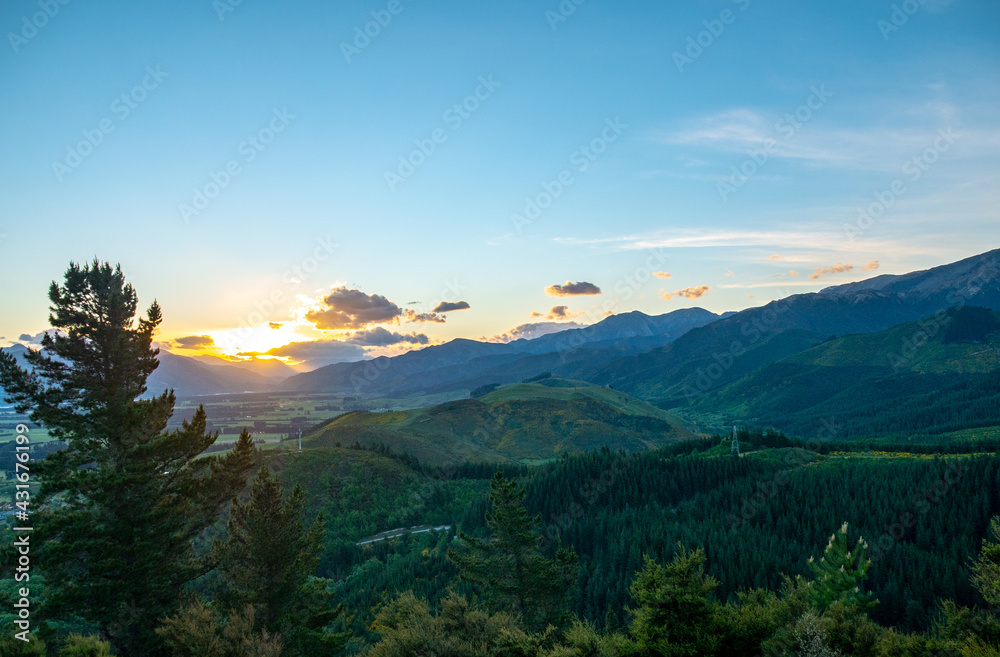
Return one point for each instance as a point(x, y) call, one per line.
point(836, 269)
point(819, 142)
point(709, 238)
point(688, 292)
point(774, 284)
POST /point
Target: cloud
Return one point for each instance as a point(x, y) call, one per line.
point(353, 309)
point(192, 342)
point(560, 313)
point(380, 337)
point(783, 287)
point(413, 316)
point(531, 330)
point(868, 147)
point(871, 266)
point(776, 257)
point(836, 269)
point(320, 351)
point(729, 272)
point(569, 289)
point(36, 339)
point(687, 293)
point(661, 274)
point(822, 240)
point(736, 128)
point(274, 325)
point(448, 306)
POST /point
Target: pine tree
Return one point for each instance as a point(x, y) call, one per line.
point(986, 568)
point(509, 566)
point(675, 615)
point(839, 574)
point(268, 561)
point(126, 498)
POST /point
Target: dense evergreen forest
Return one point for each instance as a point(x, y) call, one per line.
point(924, 516)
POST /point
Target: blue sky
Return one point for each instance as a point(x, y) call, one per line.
point(825, 106)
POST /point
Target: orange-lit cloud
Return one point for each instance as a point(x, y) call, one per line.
point(274, 325)
point(836, 269)
point(563, 312)
point(776, 257)
point(558, 313)
point(661, 274)
point(871, 266)
point(687, 293)
point(353, 309)
point(569, 289)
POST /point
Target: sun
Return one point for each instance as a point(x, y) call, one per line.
point(258, 339)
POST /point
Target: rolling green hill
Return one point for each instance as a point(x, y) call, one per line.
point(524, 422)
point(914, 381)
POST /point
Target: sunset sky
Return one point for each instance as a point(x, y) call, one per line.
point(273, 166)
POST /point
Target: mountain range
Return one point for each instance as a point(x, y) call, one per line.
point(789, 363)
point(460, 365)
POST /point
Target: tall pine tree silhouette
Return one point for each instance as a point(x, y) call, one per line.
point(126, 497)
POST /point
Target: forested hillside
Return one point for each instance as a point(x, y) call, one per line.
point(923, 515)
point(919, 381)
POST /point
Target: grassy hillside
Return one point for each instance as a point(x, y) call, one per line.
point(526, 422)
point(917, 380)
